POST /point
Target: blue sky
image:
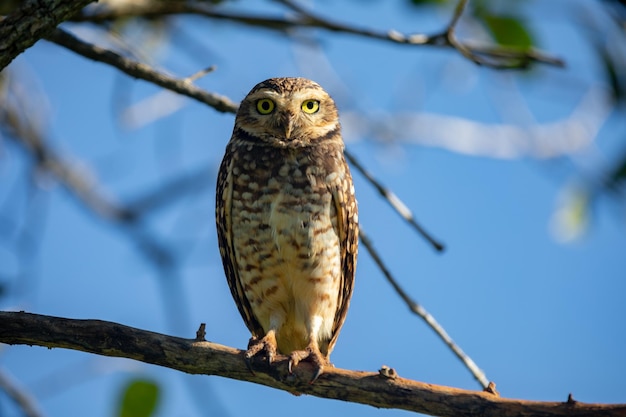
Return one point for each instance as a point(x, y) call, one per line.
point(541, 317)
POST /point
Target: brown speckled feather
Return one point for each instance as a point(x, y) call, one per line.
point(227, 251)
point(346, 207)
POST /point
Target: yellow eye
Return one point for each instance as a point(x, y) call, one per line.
point(265, 106)
point(310, 106)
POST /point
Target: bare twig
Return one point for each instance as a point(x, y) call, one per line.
point(420, 311)
point(395, 202)
point(492, 56)
point(378, 389)
point(142, 71)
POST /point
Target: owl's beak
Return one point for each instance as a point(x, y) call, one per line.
point(287, 121)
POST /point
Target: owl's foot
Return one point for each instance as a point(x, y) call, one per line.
point(311, 354)
point(265, 346)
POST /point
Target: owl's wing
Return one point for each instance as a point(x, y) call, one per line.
point(348, 228)
point(223, 218)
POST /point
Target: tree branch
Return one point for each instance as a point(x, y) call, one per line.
point(383, 389)
point(422, 313)
point(395, 202)
point(32, 21)
point(141, 71)
point(19, 396)
point(498, 57)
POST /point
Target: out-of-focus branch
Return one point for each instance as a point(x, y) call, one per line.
point(543, 140)
point(76, 180)
point(383, 389)
point(15, 122)
point(421, 312)
point(20, 397)
point(491, 56)
point(31, 21)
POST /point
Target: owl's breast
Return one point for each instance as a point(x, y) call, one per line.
point(285, 209)
point(286, 240)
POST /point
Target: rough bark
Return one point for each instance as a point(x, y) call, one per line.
point(196, 356)
point(31, 21)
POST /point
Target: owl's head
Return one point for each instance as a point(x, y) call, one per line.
point(288, 112)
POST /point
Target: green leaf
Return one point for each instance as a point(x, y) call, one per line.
point(571, 219)
point(139, 399)
point(508, 31)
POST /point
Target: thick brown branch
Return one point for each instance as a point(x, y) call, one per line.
point(32, 21)
point(201, 357)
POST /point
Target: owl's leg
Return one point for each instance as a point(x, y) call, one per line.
point(312, 354)
point(266, 345)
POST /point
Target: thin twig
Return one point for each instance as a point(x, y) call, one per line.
point(142, 71)
point(456, 16)
point(200, 74)
point(494, 56)
point(511, 58)
point(420, 311)
point(395, 202)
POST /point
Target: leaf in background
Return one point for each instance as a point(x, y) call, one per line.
point(571, 218)
point(139, 399)
point(508, 30)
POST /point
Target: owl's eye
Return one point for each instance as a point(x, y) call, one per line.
point(310, 106)
point(265, 106)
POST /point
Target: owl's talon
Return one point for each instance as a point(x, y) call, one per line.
point(266, 345)
point(319, 371)
point(311, 354)
point(248, 363)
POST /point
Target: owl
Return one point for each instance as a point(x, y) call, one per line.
point(287, 221)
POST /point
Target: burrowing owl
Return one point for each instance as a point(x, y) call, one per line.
point(287, 221)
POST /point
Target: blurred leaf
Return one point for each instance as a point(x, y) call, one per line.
point(571, 218)
point(139, 399)
point(508, 30)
